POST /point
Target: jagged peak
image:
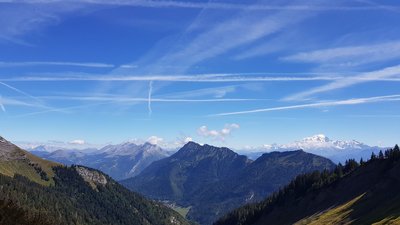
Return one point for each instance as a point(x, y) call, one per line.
point(191, 144)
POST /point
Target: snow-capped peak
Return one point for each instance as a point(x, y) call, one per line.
point(317, 138)
point(319, 144)
point(319, 141)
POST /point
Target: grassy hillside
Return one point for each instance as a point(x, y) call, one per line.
point(17, 161)
point(365, 193)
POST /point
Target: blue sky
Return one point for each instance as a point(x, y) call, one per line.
point(233, 73)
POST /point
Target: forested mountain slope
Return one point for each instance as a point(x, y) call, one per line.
point(357, 193)
point(49, 193)
point(212, 181)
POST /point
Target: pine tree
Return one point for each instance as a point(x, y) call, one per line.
point(380, 155)
point(373, 156)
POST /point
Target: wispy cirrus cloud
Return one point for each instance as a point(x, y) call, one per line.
point(8, 101)
point(212, 5)
point(16, 20)
point(353, 101)
point(125, 99)
point(223, 77)
point(2, 105)
point(149, 100)
point(386, 73)
point(50, 63)
point(349, 56)
point(228, 34)
point(216, 92)
point(20, 91)
point(26, 16)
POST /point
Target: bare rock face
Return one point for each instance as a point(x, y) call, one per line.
point(93, 177)
point(9, 151)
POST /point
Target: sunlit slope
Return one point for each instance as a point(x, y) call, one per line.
point(14, 160)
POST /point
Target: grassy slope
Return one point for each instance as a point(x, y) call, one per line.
point(182, 210)
point(335, 215)
point(389, 211)
point(369, 195)
point(22, 167)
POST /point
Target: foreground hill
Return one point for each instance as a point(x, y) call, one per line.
point(36, 191)
point(353, 194)
point(120, 161)
point(14, 160)
point(210, 181)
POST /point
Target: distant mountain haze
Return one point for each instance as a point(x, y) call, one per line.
point(120, 161)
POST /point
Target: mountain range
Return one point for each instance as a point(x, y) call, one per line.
point(209, 181)
point(336, 150)
point(356, 193)
point(120, 161)
point(41, 192)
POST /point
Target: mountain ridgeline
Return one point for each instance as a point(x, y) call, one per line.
point(120, 161)
point(41, 192)
point(210, 181)
point(356, 193)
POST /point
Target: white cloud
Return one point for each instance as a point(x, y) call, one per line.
point(180, 142)
point(354, 101)
point(154, 140)
point(217, 135)
point(188, 139)
point(77, 142)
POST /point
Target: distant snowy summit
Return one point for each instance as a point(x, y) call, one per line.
point(319, 141)
point(336, 150)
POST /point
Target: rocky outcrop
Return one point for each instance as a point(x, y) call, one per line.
point(9, 151)
point(94, 178)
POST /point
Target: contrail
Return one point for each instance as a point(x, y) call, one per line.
point(38, 101)
point(354, 101)
point(19, 91)
point(204, 78)
point(149, 99)
point(212, 5)
point(85, 64)
point(1, 105)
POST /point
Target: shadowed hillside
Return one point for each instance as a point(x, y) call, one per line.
point(210, 181)
point(356, 193)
